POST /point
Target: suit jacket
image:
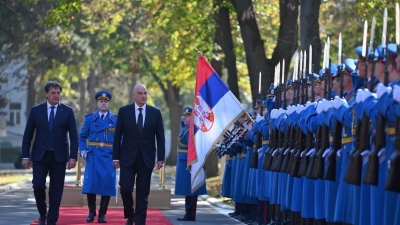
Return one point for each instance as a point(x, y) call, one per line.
point(128, 141)
point(38, 124)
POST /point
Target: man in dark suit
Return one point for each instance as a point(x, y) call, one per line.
point(139, 134)
point(48, 127)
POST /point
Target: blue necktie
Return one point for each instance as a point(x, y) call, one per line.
point(51, 117)
point(140, 121)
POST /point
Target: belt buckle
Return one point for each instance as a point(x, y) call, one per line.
point(101, 144)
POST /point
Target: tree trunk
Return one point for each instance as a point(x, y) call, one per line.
point(253, 45)
point(91, 84)
point(223, 38)
point(309, 31)
point(82, 103)
point(287, 36)
point(172, 98)
point(31, 91)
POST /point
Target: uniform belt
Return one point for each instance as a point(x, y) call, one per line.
point(182, 150)
point(347, 140)
point(100, 144)
point(390, 130)
point(265, 142)
point(228, 157)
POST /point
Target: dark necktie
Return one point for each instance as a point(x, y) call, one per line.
point(51, 117)
point(102, 116)
point(140, 121)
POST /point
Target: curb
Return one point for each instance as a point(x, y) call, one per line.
point(12, 186)
point(211, 200)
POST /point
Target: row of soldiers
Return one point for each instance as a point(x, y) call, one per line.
point(324, 149)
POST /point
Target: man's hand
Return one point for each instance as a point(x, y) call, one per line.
point(26, 163)
point(71, 163)
point(159, 165)
point(116, 164)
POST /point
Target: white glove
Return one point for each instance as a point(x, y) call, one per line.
point(273, 113)
point(259, 118)
point(308, 104)
point(259, 150)
point(326, 152)
point(365, 156)
point(396, 93)
point(327, 105)
point(337, 102)
point(319, 107)
point(300, 108)
point(83, 154)
point(339, 152)
point(289, 109)
point(382, 155)
point(310, 152)
point(286, 151)
point(360, 93)
point(367, 94)
point(382, 89)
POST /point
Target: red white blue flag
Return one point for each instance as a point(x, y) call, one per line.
point(215, 109)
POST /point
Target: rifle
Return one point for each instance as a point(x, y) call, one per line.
point(300, 136)
point(305, 160)
point(254, 156)
point(371, 175)
point(392, 180)
point(318, 169)
point(354, 175)
point(330, 173)
point(273, 142)
point(294, 156)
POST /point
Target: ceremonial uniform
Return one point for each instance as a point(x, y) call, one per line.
point(95, 145)
point(183, 177)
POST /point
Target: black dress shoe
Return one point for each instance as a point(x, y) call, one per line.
point(90, 217)
point(42, 220)
point(129, 221)
point(101, 219)
point(186, 219)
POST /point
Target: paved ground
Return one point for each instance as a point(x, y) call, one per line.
point(17, 205)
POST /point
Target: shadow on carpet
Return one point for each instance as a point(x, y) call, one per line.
point(77, 216)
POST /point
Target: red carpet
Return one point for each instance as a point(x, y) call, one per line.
point(77, 216)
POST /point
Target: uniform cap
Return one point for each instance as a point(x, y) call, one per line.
point(187, 111)
point(103, 95)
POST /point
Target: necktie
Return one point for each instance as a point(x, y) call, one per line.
point(51, 117)
point(140, 121)
point(102, 116)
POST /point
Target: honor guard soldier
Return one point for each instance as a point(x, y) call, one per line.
point(95, 145)
point(183, 178)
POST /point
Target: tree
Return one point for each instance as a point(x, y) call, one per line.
point(254, 45)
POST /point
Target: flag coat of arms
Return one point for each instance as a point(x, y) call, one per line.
point(215, 109)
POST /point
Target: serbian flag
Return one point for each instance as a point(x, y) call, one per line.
point(215, 109)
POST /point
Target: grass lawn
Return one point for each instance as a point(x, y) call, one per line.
point(12, 178)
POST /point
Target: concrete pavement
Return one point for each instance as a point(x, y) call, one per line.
point(17, 205)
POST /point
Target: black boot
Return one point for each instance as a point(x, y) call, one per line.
point(103, 209)
point(91, 200)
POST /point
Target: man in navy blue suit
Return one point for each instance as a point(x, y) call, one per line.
point(139, 136)
point(48, 127)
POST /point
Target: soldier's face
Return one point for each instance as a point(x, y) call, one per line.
point(186, 119)
point(53, 96)
point(336, 84)
point(103, 105)
point(398, 63)
point(380, 71)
